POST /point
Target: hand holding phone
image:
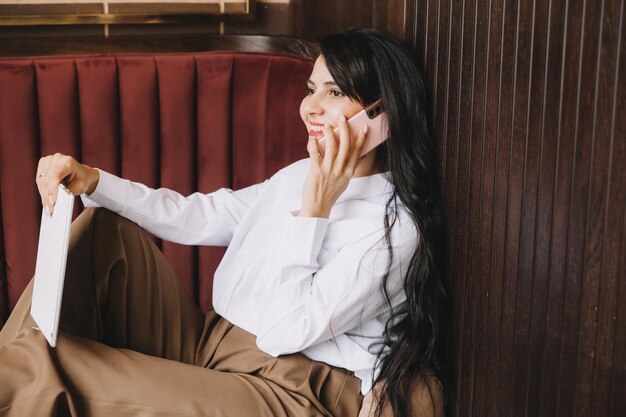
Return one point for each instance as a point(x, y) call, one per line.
point(375, 118)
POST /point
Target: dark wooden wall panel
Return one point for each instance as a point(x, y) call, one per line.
point(528, 101)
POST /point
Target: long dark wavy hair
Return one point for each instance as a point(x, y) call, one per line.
point(367, 65)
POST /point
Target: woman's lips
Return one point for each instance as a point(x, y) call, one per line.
point(318, 133)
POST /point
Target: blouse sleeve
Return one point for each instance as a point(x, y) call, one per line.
point(311, 304)
point(198, 219)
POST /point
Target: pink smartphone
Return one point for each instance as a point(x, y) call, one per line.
point(375, 118)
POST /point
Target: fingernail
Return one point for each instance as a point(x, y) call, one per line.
point(342, 118)
point(365, 128)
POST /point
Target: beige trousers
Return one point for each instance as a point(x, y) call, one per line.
point(134, 344)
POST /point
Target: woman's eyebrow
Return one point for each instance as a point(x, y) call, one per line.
point(327, 83)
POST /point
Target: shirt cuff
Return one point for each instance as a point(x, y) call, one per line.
point(302, 238)
point(110, 192)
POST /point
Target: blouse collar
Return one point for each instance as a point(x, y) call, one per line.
point(369, 186)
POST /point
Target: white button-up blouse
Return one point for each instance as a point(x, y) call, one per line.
point(299, 284)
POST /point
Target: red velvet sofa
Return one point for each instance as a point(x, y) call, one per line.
point(190, 121)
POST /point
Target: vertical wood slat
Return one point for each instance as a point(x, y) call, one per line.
point(513, 263)
point(546, 69)
point(559, 184)
point(591, 226)
point(531, 138)
point(456, 162)
point(568, 164)
point(472, 200)
point(487, 320)
point(502, 341)
point(607, 197)
point(617, 401)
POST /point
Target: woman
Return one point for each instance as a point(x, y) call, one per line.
point(332, 282)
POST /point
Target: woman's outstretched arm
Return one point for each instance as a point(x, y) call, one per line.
point(197, 219)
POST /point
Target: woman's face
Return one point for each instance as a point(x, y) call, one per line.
point(324, 101)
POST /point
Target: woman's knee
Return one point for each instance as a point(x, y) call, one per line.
point(101, 217)
point(101, 224)
point(99, 239)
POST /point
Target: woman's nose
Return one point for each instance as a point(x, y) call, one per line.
point(313, 105)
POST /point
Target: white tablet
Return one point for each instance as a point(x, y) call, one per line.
point(54, 235)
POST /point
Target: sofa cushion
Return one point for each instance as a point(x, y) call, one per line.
point(190, 122)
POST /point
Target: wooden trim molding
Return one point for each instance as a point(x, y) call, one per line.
point(188, 43)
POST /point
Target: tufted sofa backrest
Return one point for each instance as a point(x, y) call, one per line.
point(190, 122)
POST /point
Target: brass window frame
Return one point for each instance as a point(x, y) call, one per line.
point(240, 11)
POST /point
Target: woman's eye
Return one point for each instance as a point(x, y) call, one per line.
point(336, 93)
point(309, 91)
